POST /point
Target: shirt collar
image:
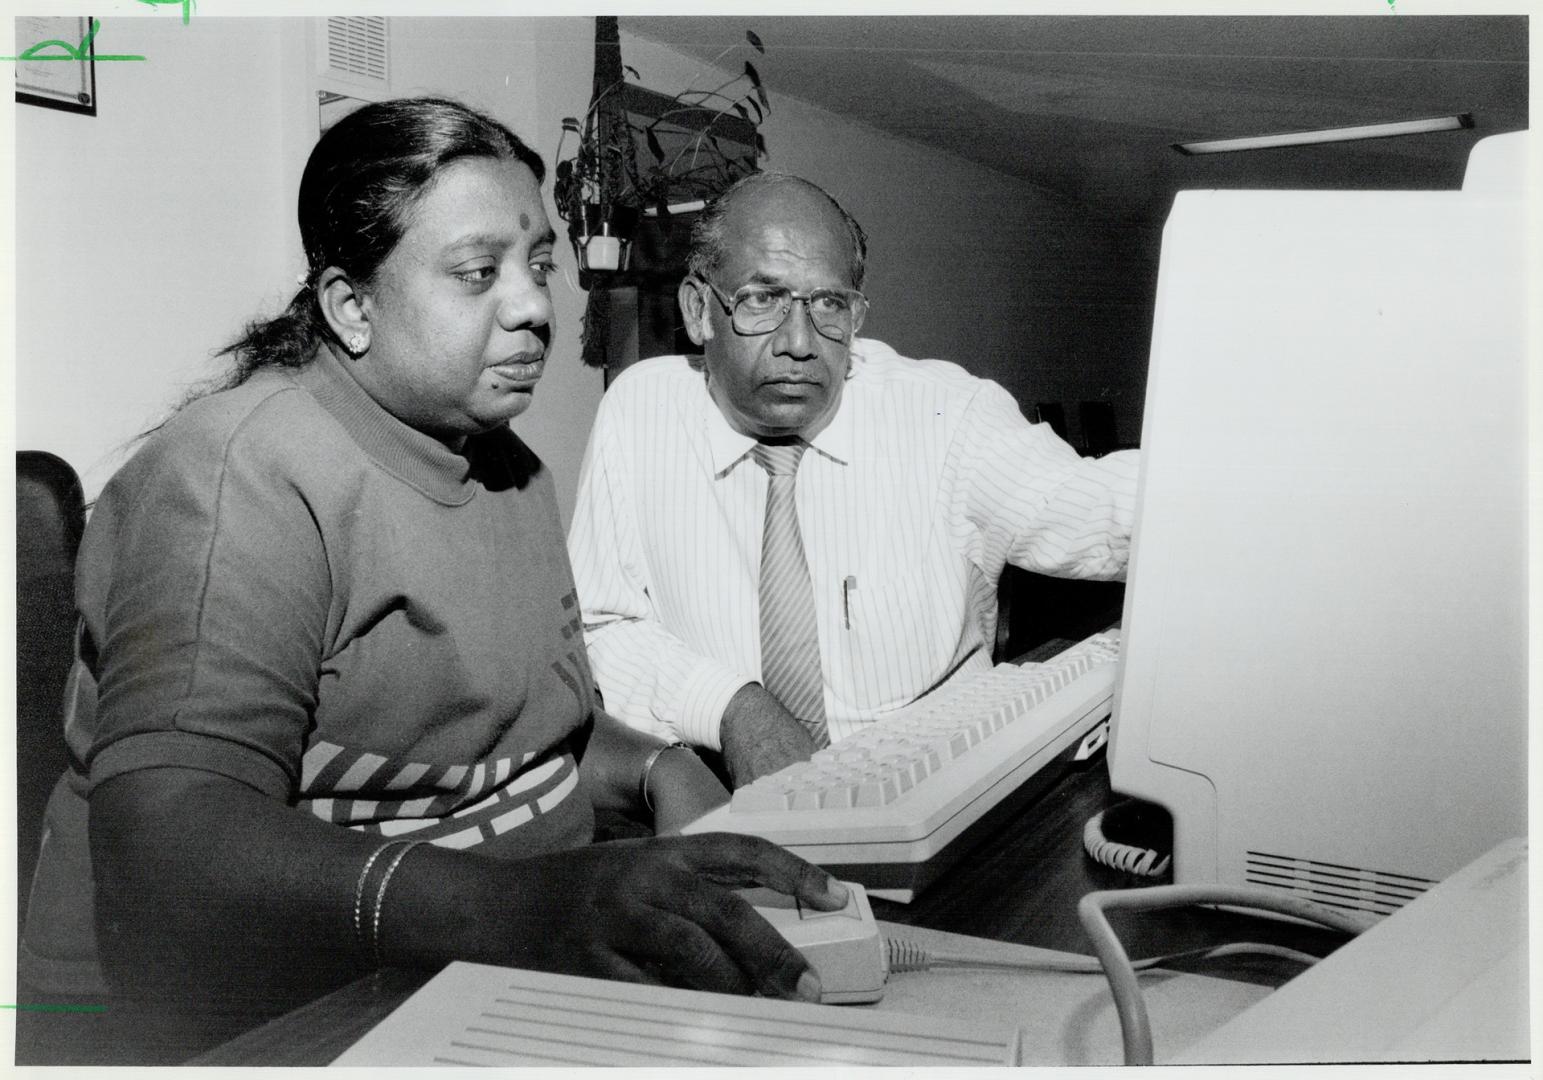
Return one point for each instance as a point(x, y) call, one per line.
point(729, 447)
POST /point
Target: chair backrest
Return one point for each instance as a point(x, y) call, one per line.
point(1099, 435)
point(1034, 611)
point(50, 517)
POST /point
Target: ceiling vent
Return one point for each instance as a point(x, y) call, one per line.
point(353, 56)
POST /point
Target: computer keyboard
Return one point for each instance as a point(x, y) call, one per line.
point(882, 806)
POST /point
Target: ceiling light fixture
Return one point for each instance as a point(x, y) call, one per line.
point(1327, 135)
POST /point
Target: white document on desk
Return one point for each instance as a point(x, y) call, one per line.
point(957, 1015)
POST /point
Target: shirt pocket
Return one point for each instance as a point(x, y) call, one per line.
point(901, 627)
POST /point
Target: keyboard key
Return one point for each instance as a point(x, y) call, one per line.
point(761, 796)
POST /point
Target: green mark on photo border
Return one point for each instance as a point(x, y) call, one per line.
point(188, 5)
point(58, 1008)
point(78, 53)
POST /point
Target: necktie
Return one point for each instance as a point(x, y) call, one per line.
point(790, 639)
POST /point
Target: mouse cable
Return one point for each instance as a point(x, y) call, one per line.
point(1135, 1027)
point(904, 955)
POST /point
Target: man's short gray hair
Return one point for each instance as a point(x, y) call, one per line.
point(708, 247)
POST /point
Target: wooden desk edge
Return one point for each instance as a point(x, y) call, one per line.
point(315, 1034)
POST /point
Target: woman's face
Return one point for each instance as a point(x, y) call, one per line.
point(459, 314)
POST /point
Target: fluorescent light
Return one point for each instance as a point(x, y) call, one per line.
point(1327, 135)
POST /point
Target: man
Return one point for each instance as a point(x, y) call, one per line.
point(881, 495)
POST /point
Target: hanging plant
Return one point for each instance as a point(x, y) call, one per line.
point(636, 150)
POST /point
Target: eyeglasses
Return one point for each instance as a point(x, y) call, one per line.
point(760, 309)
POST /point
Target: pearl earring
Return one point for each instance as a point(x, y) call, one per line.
point(357, 344)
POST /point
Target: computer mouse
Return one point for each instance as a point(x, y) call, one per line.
point(843, 947)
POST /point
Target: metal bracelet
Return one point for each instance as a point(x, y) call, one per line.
point(380, 894)
point(648, 768)
point(359, 889)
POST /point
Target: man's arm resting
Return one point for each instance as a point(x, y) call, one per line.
point(655, 682)
point(760, 736)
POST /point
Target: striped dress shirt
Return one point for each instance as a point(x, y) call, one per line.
point(923, 485)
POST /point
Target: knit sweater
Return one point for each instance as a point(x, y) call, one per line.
point(290, 588)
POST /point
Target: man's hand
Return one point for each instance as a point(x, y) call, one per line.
point(658, 911)
point(759, 736)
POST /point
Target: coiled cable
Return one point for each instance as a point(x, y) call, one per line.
point(1141, 861)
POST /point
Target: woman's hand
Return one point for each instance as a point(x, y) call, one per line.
point(180, 855)
point(682, 788)
point(656, 910)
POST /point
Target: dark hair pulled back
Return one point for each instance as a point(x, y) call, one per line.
point(361, 184)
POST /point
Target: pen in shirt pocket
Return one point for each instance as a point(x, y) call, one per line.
point(846, 599)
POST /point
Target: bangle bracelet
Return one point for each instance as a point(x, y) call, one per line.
point(648, 768)
point(380, 894)
point(359, 889)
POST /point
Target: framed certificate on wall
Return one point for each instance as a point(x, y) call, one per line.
point(56, 62)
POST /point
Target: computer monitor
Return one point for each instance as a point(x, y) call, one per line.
point(1325, 625)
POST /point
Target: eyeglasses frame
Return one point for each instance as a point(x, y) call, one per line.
point(729, 302)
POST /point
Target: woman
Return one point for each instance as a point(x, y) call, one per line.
point(332, 708)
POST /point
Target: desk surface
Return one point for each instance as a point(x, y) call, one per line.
point(1019, 884)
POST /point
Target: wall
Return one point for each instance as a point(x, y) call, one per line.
point(529, 73)
point(149, 234)
point(965, 263)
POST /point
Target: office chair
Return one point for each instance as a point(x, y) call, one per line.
point(50, 517)
point(1099, 435)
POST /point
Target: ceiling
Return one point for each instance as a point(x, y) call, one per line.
point(1087, 107)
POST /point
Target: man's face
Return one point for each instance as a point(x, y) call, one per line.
point(788, 381)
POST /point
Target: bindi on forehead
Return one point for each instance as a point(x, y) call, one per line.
point(524, 221)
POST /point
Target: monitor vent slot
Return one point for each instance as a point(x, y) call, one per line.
point(1333, 885)
point(354, 50)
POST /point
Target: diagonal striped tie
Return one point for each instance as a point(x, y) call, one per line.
point(790, 639)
